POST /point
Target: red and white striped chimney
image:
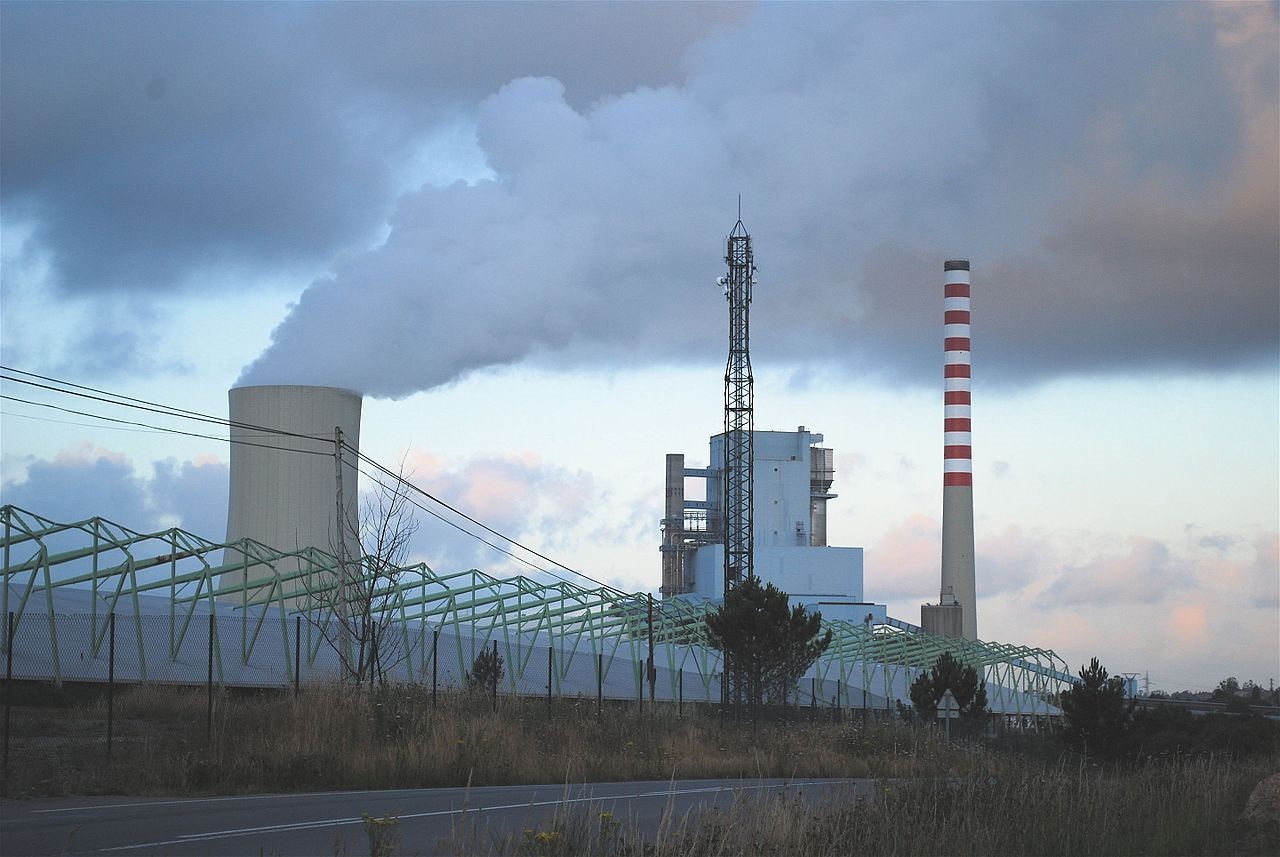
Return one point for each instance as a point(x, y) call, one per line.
point(958, 579)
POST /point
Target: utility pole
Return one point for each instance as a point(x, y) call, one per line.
point(340, 523)
point(652, 670)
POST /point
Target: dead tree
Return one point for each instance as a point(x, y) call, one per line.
point(355, 609)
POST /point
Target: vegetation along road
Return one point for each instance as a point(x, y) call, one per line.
point(417, 821)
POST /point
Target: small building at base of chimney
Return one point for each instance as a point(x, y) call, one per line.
point(791, 485)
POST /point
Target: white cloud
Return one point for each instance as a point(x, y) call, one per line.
point(1146, 574)
point(519, 495)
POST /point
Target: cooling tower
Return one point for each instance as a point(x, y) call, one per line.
point(284, 485)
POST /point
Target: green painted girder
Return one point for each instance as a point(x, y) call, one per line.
point(253, 574)
point(308, 562)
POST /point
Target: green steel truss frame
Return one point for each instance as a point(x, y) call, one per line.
point(117, 565)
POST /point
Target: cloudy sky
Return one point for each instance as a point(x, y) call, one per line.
point(503, 224)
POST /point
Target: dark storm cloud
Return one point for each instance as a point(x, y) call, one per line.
point(148, 142)
point(1109, 169)
point(144, 143)
point(78, 484)
point(118, 337)
point(461, 52)
point(194, 493)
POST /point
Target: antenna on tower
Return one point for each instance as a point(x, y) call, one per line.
point(739, 456)
point(738, 411)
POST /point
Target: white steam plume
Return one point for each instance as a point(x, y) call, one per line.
point(868, 143)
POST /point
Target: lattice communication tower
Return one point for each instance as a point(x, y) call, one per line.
point(738, 418)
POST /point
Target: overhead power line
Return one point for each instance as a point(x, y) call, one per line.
point(417, 505)
point(159, 429)
point(22, 416)
point(141, 404)
point(401, 480)
point(67, 388)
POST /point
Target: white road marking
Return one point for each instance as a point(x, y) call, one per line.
point(147, 803)
point(338, 822)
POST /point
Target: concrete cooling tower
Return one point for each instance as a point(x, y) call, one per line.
point(284, 485)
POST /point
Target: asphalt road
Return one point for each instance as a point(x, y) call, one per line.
point(431, 821)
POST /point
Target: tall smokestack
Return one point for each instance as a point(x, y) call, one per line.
point(958, 579)
point(284, 474)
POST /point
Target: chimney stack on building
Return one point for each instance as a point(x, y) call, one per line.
point(956, 613)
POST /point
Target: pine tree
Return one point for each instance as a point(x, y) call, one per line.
point(946, 674)
point(486, 670)
point(1096, 714)
point(767, 643)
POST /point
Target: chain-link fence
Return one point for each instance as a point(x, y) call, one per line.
point(260, 651)
point(223, 653)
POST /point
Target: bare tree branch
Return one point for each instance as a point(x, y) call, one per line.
point(355, 612)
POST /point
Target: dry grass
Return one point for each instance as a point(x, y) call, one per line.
point(1020, 808)
point(935, 798)
point(334, 737)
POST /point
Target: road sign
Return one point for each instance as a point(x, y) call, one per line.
point(948, 709)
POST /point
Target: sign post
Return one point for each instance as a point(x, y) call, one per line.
point(948, 709)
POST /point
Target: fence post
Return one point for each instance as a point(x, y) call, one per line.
point(813, 698)
point(297, 655)
point(208, 720)
point(8, 687)
point(680, 704)
point(111, 682)
point(495, 676)
point(599, 683)
point(651, 671)
point(724, 686)
point(435, 647)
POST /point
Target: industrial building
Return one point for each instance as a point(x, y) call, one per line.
point(270, 593)
point(174, 607)
point(792, 483)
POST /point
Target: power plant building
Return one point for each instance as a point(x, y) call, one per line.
point(271, 594)
point(792, 478)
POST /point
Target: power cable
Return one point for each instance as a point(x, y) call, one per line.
point(480, 524)
point(20, 416)
point(402, 481)
point(162, 429)
point(453, 524)
point(120, 400)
